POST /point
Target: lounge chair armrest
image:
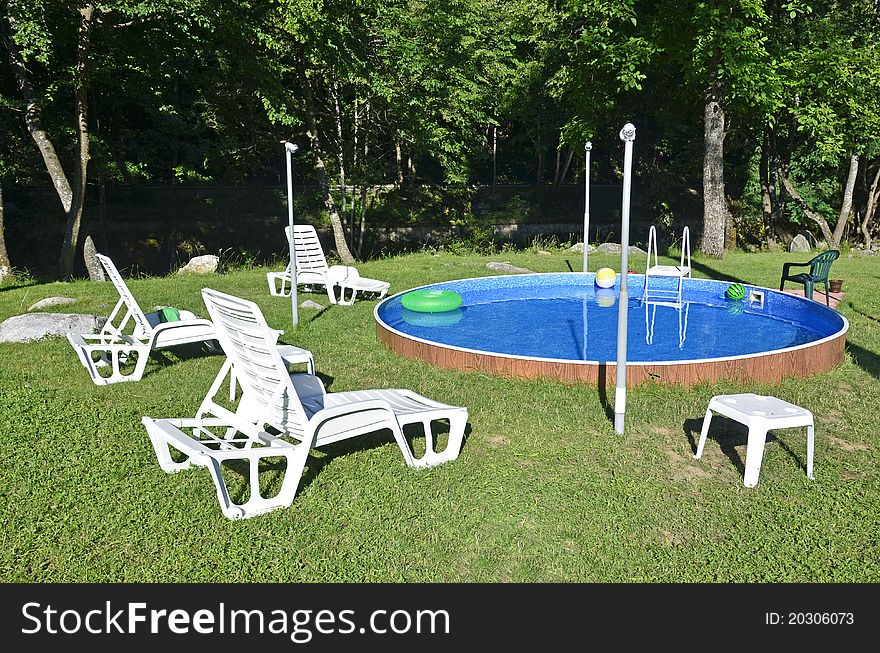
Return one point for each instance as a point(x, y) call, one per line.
point(326, 414)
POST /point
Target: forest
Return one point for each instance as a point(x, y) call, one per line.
point(756, 119)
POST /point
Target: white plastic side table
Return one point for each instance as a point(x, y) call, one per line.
point(760, 414)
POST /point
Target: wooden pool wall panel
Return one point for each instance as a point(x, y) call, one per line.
point(770, 367)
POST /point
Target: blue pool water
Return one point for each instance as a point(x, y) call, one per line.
point(567, 317)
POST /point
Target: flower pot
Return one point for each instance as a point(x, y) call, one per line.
point(834, 285)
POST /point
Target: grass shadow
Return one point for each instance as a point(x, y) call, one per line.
point(728, 433)
point(239, 488)
point(867, 360)
point(712, 273)
point(603, 392)
point(364, 442)
point(862, 313)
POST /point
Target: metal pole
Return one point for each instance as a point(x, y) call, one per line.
point(289, 149)
point(627, 135)
point(587, 147)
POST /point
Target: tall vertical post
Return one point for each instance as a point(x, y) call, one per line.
point(627, 135)
point(587, 147)
point(289, 149)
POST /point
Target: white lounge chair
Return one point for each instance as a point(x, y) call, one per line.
point(296, 409)
point(312, 270)
point(124, 343)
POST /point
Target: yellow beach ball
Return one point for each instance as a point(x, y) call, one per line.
point(605, 278)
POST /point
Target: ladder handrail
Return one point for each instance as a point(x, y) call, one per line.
point(685, 244)
point(685, 251)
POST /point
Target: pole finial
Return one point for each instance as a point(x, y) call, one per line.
point(628, 133)
point(588, 146)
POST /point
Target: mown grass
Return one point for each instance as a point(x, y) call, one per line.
point(544, 490)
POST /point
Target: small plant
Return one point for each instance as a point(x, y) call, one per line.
point(16, 278)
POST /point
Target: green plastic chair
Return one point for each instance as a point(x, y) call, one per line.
point(820, 266)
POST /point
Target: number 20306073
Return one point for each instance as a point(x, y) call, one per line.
point(809, 618)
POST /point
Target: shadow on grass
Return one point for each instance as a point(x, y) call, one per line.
point(315, 464)
point(712, 273)
point(867, 360)
point(729, 434)
point(603, 392)
point(862, 313)
point(170, 355)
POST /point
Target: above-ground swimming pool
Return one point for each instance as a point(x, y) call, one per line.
point(563, 326)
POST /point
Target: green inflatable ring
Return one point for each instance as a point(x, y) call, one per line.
point(431, 301)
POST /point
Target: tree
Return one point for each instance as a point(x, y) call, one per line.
point(829, 110)
point(28, 38)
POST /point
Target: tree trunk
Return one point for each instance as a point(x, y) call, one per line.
point(360, 247)
point(870, 209)
point(562, 167)
point(766, 192)
point(320, 169)
point(557, 167)
point(714, 201)
point(5, 267)
point(398, 154)
point(81, 80)
point(494, 155)
point(340, 158)
point(801, 203)
point(539, 179)
point(846, 205)
point(72, 199)
point(33, 119)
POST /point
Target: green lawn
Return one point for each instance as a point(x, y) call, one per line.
point(544, 490)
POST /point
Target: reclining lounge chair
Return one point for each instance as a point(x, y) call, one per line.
point(312, 270)
point(279, 414)
point(123, 345)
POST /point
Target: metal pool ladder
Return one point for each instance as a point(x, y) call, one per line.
point(654, 297)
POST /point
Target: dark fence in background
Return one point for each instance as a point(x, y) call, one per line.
point(154, 229)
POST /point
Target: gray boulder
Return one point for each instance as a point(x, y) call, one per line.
point(506, 267)
point(799, 244)
point(579, 248)
point(96, 272)
point(51, 301)
point(206, 264)
point(614, 248)
point(33, 326)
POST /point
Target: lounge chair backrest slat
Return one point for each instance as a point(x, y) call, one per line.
point(309, 253)
point(249, 344)
point(126, 296)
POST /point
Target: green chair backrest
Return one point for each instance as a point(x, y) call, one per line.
point(820, 266)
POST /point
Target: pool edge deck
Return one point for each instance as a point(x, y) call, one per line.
point(772, 367)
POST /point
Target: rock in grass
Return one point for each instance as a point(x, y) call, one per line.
point(506, 267)
point(206, 264)
point(614, 248)
point(51, 301)
point(313, 305)
point(579, 248)
point(33, 326)
point(799, 244)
